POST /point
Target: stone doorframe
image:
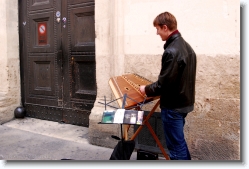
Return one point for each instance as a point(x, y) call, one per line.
point(10, 87)
point(109, 21)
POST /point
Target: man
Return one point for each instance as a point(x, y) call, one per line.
point(175, 85)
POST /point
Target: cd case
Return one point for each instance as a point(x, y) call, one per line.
point(122, 116)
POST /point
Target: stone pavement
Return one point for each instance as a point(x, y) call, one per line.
point(24, 141)
point(35, 139)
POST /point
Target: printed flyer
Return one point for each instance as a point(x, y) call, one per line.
point(122, 116)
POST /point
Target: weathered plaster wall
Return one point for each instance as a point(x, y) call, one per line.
point(126, 42)
point(9, 65)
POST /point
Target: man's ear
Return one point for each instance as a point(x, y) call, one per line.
point(165, 27)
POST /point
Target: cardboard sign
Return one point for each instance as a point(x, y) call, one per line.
point(42, 33)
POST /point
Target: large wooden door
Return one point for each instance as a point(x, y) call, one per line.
point(57, 48)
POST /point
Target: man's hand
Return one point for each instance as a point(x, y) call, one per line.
point(142, 89)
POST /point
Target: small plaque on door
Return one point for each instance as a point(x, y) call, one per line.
point(42, 33)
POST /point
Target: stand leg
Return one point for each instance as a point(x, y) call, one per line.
point(157, 140)
point(126, 129)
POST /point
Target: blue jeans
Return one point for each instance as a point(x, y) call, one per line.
point(173, 124)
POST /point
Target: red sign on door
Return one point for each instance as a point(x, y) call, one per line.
point(42, 33)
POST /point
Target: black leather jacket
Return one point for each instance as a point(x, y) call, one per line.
point(176, 81)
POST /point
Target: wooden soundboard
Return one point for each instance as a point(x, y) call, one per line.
point(129, 84)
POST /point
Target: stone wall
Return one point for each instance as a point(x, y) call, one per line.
point(213, 129)
point(10, 96)
point(126, 42)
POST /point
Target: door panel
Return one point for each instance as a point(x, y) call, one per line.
point(58, 59)
point(40, 57)
point(40, 4)
point(41, 27)
point(82, 85)
point(82, 20)
point(79, 86)
point(42, 76)
point(73, 2)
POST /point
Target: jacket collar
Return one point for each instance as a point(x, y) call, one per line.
point(171, 37)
